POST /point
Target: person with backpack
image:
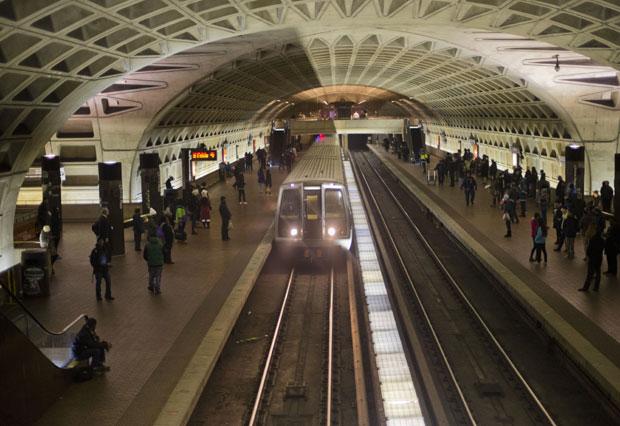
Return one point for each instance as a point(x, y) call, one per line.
point(540, 239)
point(138, 228)
point(99, 262)
point(533, 230)
point(154, 256)
point(469, 186)
point(505, 204)
point(103, 230)
point(88, 346)
point(166, 234)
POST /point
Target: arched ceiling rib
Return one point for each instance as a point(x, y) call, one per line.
point(456, 87)
point(57, 53)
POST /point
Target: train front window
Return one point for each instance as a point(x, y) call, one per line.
point(335, 213)
point(334, 204)
point(290, 204)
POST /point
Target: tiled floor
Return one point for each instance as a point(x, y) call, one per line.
point(594, 314)
point(153, 337)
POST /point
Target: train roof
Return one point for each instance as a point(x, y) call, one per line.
point(321, 163)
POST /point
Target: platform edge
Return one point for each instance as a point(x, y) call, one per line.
point(181, 403)
point(600, 368)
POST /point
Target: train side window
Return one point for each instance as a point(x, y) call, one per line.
point(334, 204)
point(290, 204)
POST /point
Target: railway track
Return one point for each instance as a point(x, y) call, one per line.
point(478, 380)
point(297, 379)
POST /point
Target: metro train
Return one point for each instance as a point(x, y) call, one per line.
point(313, 212)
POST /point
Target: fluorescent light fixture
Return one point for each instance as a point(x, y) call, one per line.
point(331, 231)
point(110, 162)
point(574, 146)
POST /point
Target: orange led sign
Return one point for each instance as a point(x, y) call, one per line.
point(204, 155)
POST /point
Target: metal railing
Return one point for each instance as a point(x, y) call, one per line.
point(55, 345)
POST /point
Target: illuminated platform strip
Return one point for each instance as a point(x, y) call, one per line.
point(400, 401)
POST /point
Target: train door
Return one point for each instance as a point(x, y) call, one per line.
point(313, 226)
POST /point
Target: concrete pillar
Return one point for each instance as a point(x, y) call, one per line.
point(186, 172)
point(51, 186)
point(149, 179)
point(111, 196)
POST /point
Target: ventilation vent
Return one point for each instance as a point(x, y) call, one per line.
point(133, 86)
point(593, 79)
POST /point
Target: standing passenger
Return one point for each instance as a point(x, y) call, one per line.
point(268, 182)
point(594, 253)
point(168, 234)
point(138, 229)
point(226, 216)
point(154, 256)
point(99, 262)
point(540, 239)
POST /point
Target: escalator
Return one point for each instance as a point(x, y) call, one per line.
point(35, 362)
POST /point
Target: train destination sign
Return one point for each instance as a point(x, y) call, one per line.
point(203, 155)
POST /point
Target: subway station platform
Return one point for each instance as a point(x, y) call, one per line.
point(587, 322)
point(153, 337)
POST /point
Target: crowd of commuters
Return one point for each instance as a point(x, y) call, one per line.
point(563, 208)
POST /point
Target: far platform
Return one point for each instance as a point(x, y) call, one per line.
point(593, 314)
point(153, 337)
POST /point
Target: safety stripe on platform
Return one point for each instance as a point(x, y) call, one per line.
point(400, 400)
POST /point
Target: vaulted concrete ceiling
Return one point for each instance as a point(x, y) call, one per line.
point(55, 54)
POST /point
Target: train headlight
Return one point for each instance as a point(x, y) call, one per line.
point(331, 231)
point(294, 232)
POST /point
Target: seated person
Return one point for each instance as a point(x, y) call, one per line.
point(87, 345)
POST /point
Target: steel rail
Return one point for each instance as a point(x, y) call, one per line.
point(330, 350)
point(270, 354)
point(464, 297)
point(420, 303)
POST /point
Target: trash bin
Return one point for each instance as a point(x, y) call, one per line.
point(36, 271)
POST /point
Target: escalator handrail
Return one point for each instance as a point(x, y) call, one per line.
point(31, 315)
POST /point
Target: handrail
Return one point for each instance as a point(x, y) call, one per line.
point(34, 318)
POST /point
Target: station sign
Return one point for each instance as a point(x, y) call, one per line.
point(203, 155)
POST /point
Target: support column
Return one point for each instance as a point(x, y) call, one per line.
point(111, 196)
point(186, 172)
point(150, 181)
point(616, 203)
point(51, 184)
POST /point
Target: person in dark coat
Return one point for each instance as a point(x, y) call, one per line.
point(168, 239)
point(569, 229)
point(469, 186)
point(88, 346)
point(240, 185)
point(100, 263)
point(44, 216)
point(226, 216)
point(611, 249)
point(594, 253)
point(268, 182)
point(560, 191)
point(607, 195)
point(103, 230)
point(169, 182)
point(138, 228)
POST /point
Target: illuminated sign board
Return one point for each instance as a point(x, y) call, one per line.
point(203, 155)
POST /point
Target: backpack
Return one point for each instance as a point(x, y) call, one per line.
point(93, 258)
point(95, 228)
point(82, 373)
